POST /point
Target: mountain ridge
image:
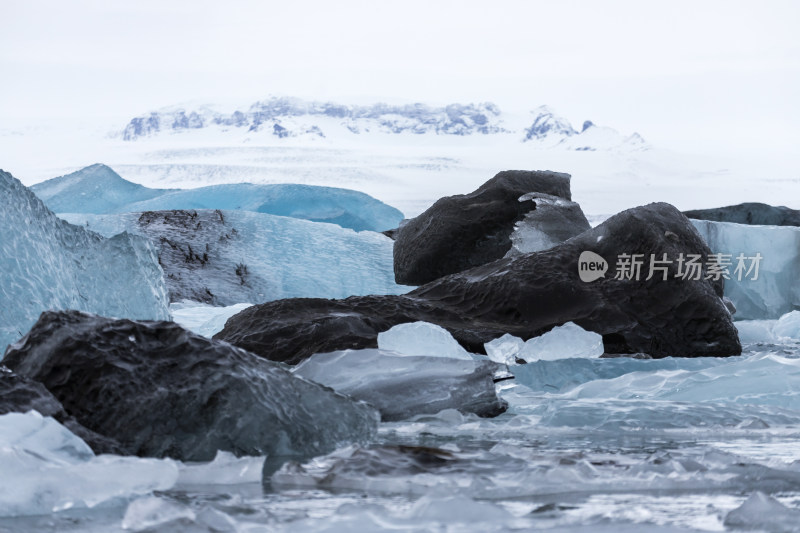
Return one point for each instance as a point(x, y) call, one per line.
point(285, 117)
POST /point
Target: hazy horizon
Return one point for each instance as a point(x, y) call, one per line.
point(721, 75)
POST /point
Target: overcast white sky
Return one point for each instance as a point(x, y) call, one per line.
point(679, 72)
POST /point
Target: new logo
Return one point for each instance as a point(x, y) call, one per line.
point(591, 266)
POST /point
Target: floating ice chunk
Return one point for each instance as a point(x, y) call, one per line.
point(225, 469)
point(151, 511)
point(45, 469)
point(563, 342)
point(777, 290)
point(422, 338)
point(204, 319)
point(42, 436)
point(401, 386)
point(764, 513)
point(504, 349)
point(753, 331)
point(788, 326)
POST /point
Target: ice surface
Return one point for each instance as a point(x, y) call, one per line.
point(562, 342)
point(421, 338)
point(564, 374)
point(45, 469)
point(777, 290)
point(46, 263)
point(764, 379)
point(504, 349)
point(400, 386)
point(203, 319)
point(99, 190)
point(284, 257)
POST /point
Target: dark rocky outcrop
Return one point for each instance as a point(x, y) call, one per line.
point(464, 231)
point(160, 390)
point(20, 395)
point(752, 213)
point(526, 296)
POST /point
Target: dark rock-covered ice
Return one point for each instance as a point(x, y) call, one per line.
point(752, 213)
point(229, 257)
point(401, 386)
point(464, 231)
point(162, 391)
point(526, 296)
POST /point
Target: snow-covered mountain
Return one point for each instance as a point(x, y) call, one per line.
point(295, 118)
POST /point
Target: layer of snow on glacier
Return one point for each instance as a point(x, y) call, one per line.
point(97, 189)
point(46, 263)
point(48, 469)
point(204, 319)
point(777, 289)
point(400, 386)
point(284, 257)
point(562, 342)
point(421, 338)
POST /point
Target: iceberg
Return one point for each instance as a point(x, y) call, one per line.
point(229, 257)
point(421, 338)
point(93, 189)
point(46, 263)
point(401, 386)
point(98, 190)
point(48, 469)
point(777, 289)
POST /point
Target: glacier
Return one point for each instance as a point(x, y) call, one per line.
point(230, 257)
point(98, 189)
point(777, 289)
point(46, 263)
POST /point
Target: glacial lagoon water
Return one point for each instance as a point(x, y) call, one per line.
point(586, 445)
